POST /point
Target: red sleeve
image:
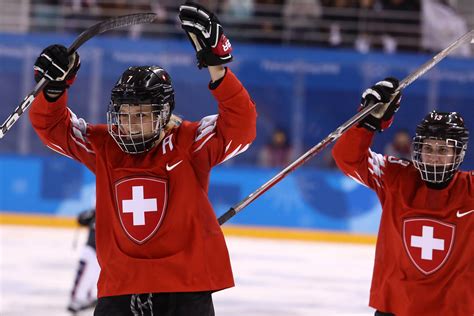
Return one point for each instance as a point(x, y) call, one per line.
point(61, 130)
point(353, 156)
point(223, 136)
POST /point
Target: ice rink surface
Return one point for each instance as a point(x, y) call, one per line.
point(273, 277)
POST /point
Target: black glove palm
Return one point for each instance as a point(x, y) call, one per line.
point(59, 67)
point(382, 116)
point(206, 34)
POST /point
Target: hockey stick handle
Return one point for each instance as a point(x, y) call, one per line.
point(25, 104)
point(94, 30)
point(226, 216)
point(20, 109)
point(298, 162)
point(468, 37)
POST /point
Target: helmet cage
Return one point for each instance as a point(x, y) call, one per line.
point(141, 104)
point(438, 172)
point(135, 136)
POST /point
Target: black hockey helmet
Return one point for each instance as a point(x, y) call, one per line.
point(144, 85)
point(138, 87)
point(445, 126)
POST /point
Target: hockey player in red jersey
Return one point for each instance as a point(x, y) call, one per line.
point(159, 245)
point(424, 260)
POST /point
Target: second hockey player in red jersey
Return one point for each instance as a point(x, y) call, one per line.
point(159, 245)
point(424, 260)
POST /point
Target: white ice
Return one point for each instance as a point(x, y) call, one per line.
point(273, 277)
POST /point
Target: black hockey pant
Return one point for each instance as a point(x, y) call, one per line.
point(377, 313)
point(156, 304)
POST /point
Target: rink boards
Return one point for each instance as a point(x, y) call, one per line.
point(307, 199)
point(229, 230)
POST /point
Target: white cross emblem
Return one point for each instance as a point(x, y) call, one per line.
point(427, 243)
point(138, 205)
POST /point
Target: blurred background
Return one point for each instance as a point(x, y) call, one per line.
point(304, 62)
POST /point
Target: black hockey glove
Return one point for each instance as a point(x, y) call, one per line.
point(59, 67)
point(382, 116)
point(85, 218)
point(206, 34)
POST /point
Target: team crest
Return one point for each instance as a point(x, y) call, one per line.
point(428, 243)
point(141, 205)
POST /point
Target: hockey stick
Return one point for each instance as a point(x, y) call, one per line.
point(96, 29)
point(468, 37)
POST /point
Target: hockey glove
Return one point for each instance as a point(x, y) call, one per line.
point(85, 218)
point(59, 67)
point(206, 34)
point(382, 116)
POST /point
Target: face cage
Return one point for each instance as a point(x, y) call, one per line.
point(139, 141)
point(441, 172)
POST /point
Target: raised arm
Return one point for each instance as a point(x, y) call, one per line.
point(223, 136)
point(352, 151)
point(59, 128)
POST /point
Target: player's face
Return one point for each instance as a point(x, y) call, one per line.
point(437, 152)
point(136, 120)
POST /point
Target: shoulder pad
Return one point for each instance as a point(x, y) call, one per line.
point(185, 132)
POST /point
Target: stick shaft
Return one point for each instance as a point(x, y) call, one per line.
point(466, 38)
point(92, 31)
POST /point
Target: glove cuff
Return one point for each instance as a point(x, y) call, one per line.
point(374, 124)
point(55, 89)
point(206, 57)
point(52, 97)
point(215, 84)
point(370, 123)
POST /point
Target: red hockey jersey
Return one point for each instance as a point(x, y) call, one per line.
point(424, 259)
point(155, 227)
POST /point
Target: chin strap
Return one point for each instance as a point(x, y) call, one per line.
point(439, 185)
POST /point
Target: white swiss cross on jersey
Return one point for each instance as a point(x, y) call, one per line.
point(141, 204)
point(428, 243)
